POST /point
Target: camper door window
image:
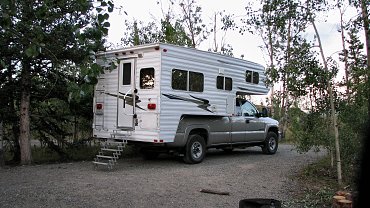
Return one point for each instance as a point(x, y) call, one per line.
point(126, 75)
point(147, 78)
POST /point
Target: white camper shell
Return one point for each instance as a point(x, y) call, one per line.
point(154, 85)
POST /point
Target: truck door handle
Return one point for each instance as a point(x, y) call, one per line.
point(247, 121)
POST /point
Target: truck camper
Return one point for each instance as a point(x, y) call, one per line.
point(166, 98)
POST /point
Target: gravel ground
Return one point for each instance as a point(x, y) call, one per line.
point(165, 182)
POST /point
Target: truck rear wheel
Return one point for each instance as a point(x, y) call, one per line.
point(195, 149)
point(270, 145)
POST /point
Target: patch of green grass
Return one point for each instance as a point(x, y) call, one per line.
point(79, 153)
point(82, 153)
point(318, 184)
point(44, 155)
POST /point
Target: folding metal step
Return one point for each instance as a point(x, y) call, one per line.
point(109, 153)
point(111, 150)
point(105, 156)
point(100, 163)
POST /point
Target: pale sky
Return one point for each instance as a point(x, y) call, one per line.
point(247, 44)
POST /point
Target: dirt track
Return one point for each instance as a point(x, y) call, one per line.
point(165, 182)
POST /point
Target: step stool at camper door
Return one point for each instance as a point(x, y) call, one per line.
point(111, 150)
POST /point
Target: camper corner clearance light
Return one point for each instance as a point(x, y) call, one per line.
point(164, 50)
point(152, 106)
point(99, 106)
point(156, 48)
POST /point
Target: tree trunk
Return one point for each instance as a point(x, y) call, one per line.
point(24, 125)
point(2, 162)
point(214, 33)
point(332, 108)
point(365, 18)
point(345, 54)
point(272, 66)
point(285, 84)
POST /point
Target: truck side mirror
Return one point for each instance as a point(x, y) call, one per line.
point(264, 112)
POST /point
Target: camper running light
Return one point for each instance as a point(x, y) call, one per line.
point(99, 106)
point(99, 109)
point(152, 106)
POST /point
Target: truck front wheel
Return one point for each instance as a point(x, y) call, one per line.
point(195, 149)
point(270, 145)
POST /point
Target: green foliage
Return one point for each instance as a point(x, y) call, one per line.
point(192, 17)
point(309, 130)
point(47, 49)
point(174, 33)
point(184, 29)
point(313, 130)
point(137, 33)
point(317, 184)
point(352, 121)
point(45, 155)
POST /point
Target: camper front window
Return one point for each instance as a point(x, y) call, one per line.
point(228, 83)
point(256, 77)
point(248, 76)
point(147, 78)
point(220, 82)
point(252, 77)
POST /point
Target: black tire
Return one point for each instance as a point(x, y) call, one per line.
point(270, 145)
point(147, 155)
point(195, 149)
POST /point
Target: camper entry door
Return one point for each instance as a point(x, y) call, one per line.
point(126, 98)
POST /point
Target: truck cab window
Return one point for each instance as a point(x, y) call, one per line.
point(248, 109)
point(147, 78)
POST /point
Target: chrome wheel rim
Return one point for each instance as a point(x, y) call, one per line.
point(196, 150)
point(272, 143)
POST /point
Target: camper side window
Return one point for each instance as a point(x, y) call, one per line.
point(220, 82)
point(224, 83)
point(196, 81)
point(228, 83)
point(252, 77)
point(256, 77)
point(147, 78)
point(179, 79)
